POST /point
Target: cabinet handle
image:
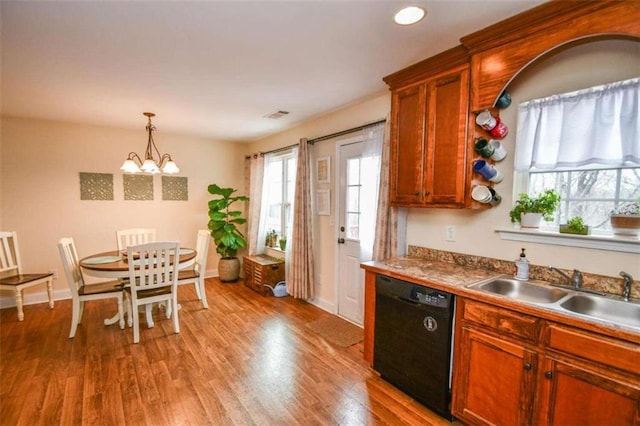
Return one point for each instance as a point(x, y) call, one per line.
point(427, 193)
point(416, 193)
point(527, 366)
point(548, 374)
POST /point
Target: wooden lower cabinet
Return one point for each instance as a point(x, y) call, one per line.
point(566, 376)
point(497, 376)
point(573, 394)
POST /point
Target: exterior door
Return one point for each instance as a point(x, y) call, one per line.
point(350, 281)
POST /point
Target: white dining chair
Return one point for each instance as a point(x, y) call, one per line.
point(81, 292)
point(14, 278)
point(195, 275)
point(134, 236)
point(153, 277)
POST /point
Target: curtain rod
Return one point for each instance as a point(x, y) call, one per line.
point(345, 132)
point(321, 138)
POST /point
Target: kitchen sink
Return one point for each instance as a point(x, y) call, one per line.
point(521, 290)
point(602, 308)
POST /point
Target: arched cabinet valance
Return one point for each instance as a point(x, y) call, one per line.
point(499, 52)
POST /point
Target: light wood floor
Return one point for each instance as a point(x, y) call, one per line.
point(247, 360)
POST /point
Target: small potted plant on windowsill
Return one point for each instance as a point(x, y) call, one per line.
point(575, 225)
point(529, 211)
point(625, 219)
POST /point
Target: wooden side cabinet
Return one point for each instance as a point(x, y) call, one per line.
point(428, 141)
point(262, 270)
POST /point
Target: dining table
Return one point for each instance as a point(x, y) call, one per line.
point(115, 265)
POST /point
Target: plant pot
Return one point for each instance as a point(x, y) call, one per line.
point(565, 229)
point(229, 269)
point(530, 220)
point(625, 224)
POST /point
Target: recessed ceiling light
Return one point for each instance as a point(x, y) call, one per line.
point(409, 15)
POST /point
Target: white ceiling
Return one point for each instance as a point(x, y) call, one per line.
point(216, 68)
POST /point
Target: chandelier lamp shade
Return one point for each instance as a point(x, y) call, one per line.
point(164, 163)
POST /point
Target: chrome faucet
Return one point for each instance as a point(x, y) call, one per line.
point(628, 279)
point(575, 280)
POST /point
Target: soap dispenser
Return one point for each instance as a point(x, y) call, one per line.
point(522, 267)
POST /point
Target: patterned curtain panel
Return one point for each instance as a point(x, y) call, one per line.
point(300, 281)
point(254, 175)
point(386, 239)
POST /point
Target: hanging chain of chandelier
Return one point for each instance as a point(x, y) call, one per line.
point(164, 163)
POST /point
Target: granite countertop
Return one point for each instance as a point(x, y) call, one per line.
point(455, 278)
point(442, 275)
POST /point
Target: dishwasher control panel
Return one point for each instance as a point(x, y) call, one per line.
point(430, 297)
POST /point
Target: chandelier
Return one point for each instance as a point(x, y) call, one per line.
point(164, 164)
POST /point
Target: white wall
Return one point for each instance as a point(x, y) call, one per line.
point(582, 66)
point(605, 60)
point(40, 188)
point(367, 111)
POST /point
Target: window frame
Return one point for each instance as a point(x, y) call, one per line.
point(286, 204)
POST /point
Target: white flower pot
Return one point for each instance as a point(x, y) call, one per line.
point(626, 225)
point(530, 220)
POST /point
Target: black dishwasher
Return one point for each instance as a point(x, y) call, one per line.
point(412, 345)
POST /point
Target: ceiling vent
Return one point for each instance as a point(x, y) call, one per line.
point(277, 114)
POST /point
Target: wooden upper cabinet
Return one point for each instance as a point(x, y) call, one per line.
point(428, 132)
point(408, 144)
point(499, 52)
point(446, 136)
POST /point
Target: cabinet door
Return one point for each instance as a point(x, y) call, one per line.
point(578, 395)
point(446, 139)
point(407, 145)
point(494, 380)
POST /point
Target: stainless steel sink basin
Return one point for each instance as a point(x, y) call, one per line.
point(602, 308)
point(521, 290)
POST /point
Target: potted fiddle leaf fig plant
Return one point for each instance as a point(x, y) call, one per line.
point(529, 211)
point(223, 224)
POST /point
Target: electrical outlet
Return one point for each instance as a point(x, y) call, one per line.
point(450, 233)
point(55, 273)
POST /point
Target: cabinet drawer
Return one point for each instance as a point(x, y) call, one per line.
point(503, 320)
point(594, 347)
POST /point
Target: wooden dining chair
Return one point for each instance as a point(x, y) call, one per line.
point(134, 236)
point(12, 276)
point(195, 275)
point(153, 277)
point(81, 292)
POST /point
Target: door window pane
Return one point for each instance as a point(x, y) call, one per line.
point(353, 197)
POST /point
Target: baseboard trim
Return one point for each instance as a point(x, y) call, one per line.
point(34, 298)
point(324, 305)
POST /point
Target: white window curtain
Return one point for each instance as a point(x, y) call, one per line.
point(595, 126)
point(370, 179)
point(390, 221)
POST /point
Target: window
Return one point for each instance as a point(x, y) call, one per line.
point(585, 145)
point(279, 184)
point(590, 193)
